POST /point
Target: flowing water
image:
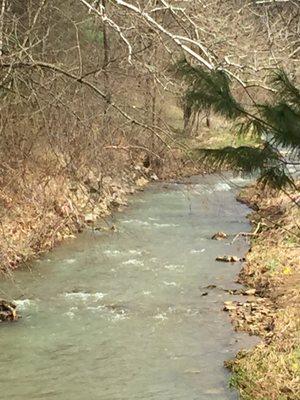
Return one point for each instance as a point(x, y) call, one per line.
point(122, 315)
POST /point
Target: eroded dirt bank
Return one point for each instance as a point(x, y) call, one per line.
point(270, 371)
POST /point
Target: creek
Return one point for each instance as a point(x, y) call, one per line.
point(121, 315)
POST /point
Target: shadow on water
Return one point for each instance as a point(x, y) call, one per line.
point(120, 315)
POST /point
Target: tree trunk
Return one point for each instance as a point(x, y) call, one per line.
point(106, 60)
point(3, 5)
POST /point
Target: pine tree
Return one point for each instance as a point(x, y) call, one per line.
point(276, 123)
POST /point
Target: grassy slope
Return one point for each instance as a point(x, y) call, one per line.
point(37, 216)
point(271, 371)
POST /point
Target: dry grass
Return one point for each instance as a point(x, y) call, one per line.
point(271, 371)
point(41, 206)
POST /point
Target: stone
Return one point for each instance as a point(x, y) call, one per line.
point(227, 259)
point(8, 311)
point(90, 218)
point(141, 182)
point(219, 236)
point(250, 292)
point(210, 287)
point(154, 177)
point(229, 306)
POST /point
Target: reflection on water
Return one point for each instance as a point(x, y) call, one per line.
point(120, 315)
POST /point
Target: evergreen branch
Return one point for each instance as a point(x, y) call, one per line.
point(286, 90)
point(287, 121)
point(209, 90)
point(277, 122)
point(245, 158)
point(265, 162)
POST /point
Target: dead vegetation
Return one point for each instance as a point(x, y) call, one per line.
point(270, 371)
point(88, 93)
point(81, 129)
point(37, 217)
point(76, 133)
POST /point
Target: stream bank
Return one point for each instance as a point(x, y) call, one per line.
point(33, 223)
point(271, 370)
point(43, 204)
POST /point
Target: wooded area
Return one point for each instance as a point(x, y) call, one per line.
point(99, 97)
point(90, 90)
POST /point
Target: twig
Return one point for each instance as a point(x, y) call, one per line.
point(255, 233)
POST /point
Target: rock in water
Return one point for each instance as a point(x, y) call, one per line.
point(8, 311)
point(219, 236)
point(227, 258)
point(249, 292)
point(229, 306)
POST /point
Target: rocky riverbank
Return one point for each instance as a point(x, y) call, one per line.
point(39, 209)
point(270, 371)
point(60, 210)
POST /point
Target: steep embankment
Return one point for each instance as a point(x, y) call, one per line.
point(271, 371)
point(37, 217)
point(42, 204)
